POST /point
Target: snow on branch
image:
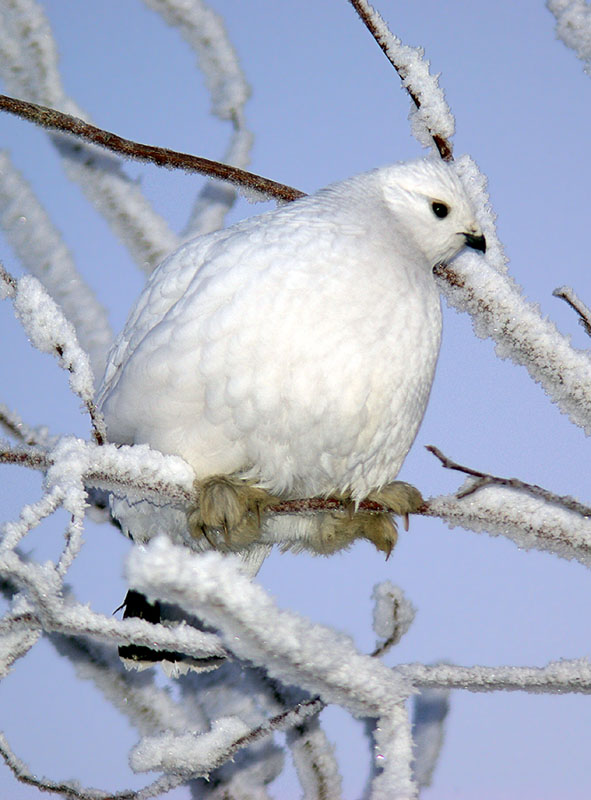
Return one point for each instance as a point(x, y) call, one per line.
point(42, 251)
point(206, 34)
point(50, 332)
point(557, 677)
point(431, 120)
point(50, 611)
point(499, 311)
point(529, 522)
point(316, 658)
point(72, 789)
point(15, 427)
point(573, 26)
point(29, 68)
point(314, 760)
point(393, 615)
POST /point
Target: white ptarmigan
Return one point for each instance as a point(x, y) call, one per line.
point(294, 353)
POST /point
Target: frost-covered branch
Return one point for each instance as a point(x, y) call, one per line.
point(15, 427)
point(393, 615)
point(51, 612)
point(73, 790)
point(50, 332)
point(431, 120)
point(42, 251)
point(314, 760)
point(215, 589)
point(486, 479)
point(557, 677)
point(161, 156)
point(205, 32)
point(499, 311)
point(531, 523)
point(573, 26)
point(29, 69)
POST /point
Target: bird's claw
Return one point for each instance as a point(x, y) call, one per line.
point(229, 507)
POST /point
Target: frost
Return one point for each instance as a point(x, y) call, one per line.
point(430, 114)
point(392, 614)
point(206, 34)
point(42, 251)
point(28, 68)
point(573, 26)
point(318, 659)
point(194, 755)
point(528, 521)
point(315, 762)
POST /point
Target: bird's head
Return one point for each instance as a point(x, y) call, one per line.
point(431, 206)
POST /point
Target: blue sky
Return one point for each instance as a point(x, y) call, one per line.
point(325, 105)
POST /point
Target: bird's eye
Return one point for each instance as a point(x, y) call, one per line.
point(440, 210)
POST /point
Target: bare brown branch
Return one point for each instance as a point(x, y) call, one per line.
point(485, 479)
point(567, 294)
point(161, 156)
point(442, 144)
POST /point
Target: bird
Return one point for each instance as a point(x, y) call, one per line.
point(291, 355)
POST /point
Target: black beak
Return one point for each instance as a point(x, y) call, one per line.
point(475, 242)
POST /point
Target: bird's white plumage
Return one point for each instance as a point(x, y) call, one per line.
point(298, 347)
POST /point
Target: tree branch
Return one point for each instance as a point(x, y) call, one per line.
point(485, 479)
point(378, 29)
point(161, 156)
point(567, 294)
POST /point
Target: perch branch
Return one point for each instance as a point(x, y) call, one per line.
point(161, 156)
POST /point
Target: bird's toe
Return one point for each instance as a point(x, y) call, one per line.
point(228, 512)
point(398, 497)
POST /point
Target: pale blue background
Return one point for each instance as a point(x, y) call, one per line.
point(326, 104)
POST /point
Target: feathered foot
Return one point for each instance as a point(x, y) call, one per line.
point(229, 507)
point(338, 530)
point(400, 498)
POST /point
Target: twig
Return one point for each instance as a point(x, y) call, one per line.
point(34, 459)
point(9, 281)
point(72, 790)
point(161, 156)
point(557, 677)
point(97, 422)
point(567, 294)
point(485, 479)
point(442, 144)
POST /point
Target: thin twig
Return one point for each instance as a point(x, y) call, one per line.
point(7, 278)
point(557, 677)
point(485, 479)
point(97, 422)
point(72, 790)
point(443, 146)
point(161, 156)
point(568, 295)
point(34, 459)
